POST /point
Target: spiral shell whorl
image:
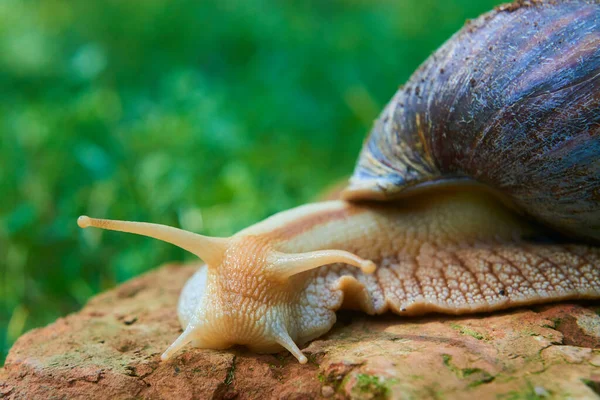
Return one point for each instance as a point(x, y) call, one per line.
point(511, 101)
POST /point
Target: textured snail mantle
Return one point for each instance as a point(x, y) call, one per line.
point(511, 104)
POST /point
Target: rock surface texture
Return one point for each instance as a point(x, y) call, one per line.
point(111, 349)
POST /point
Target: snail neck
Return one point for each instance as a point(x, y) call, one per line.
point(449, 216)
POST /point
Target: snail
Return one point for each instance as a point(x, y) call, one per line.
point(478, 189)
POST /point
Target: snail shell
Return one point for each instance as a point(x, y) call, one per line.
point(511, 101)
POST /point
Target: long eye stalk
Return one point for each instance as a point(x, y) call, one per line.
point(209, 249)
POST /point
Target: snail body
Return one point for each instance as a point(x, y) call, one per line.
point(525, 141)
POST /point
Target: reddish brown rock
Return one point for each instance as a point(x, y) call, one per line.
point(111, 349)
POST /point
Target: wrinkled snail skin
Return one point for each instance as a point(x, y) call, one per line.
point(504, 119)
point(511, 101)
point(278, 283)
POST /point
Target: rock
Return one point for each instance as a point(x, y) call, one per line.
point(111, 349)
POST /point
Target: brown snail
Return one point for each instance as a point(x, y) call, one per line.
point(506, 112)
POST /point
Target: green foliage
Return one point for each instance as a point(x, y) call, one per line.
point(208, 115)
point(475, 376)
point(372, 387)
point(464, 330)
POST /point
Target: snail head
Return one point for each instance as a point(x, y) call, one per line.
point(243, 294)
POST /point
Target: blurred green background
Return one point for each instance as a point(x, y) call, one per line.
point(207, 115)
